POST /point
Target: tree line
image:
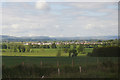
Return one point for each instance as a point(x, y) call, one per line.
point(105, 52)
point(73, 50)
point(16, 47)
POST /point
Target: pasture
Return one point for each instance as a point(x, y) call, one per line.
point(30, 67)
point(41, 62)
point(41, 52)
point(81, 60)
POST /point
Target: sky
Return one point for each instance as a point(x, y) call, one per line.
point(59, 19)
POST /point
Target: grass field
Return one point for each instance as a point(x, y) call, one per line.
point(28, 65)
point(42, 53)
point(81, 60)
point(92, 67)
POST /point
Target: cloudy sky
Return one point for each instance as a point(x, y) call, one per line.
point(59, 19)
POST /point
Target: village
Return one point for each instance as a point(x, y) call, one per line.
point(58, 43)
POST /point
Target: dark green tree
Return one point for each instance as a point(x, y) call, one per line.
point(4, 46)
point(80, 48)
point(15, 49)
point(53, 45)
point(73, 53)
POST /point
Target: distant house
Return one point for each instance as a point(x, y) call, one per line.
point(58, 43)
point(26, 43)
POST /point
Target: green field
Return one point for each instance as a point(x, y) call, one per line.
point(92, 67)
point(81, 60)
point(42, 53)
point(45, 62)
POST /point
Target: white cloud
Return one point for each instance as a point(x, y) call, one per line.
point(57, 26)
point(52, 36)
point(42, 5)
point(60, 0)
point(89, 26)
point(72, 21)
point(15, 26)
point(61, 35)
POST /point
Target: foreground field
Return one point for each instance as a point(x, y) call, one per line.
point(45, 62)
point(27, 67)
point(48, 61)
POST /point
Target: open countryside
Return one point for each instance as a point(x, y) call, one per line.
point(59, 40)
point(78, 57)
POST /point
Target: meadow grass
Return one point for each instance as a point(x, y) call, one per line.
point(42, 53)
point(52, 61)
point(92, 67)
point(13, 67)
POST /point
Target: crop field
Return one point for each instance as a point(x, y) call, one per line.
point(31, 67)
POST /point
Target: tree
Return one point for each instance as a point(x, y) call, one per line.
point(105, 52)
point(4, 46)
point(15, 49)
point(73, 53)
point(21, 48)
point(47, 46)
point(74, 46)
point(66, 48)
point(70, 52)
point(99, 40)
point(80, 48)
point(53, 45)
point(27, 48)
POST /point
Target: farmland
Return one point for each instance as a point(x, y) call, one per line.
point(54, 39)
point(81, 60)
point(42, 52)
point(89, 66)
point(57, 61)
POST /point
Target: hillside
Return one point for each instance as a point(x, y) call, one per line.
point(47, 38)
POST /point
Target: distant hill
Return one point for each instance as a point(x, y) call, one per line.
point(87, 38)
point(6, 37)
point(36, 38)
point(46, 38)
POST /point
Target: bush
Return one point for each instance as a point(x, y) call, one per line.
point(89, 54)
point(105, 52)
